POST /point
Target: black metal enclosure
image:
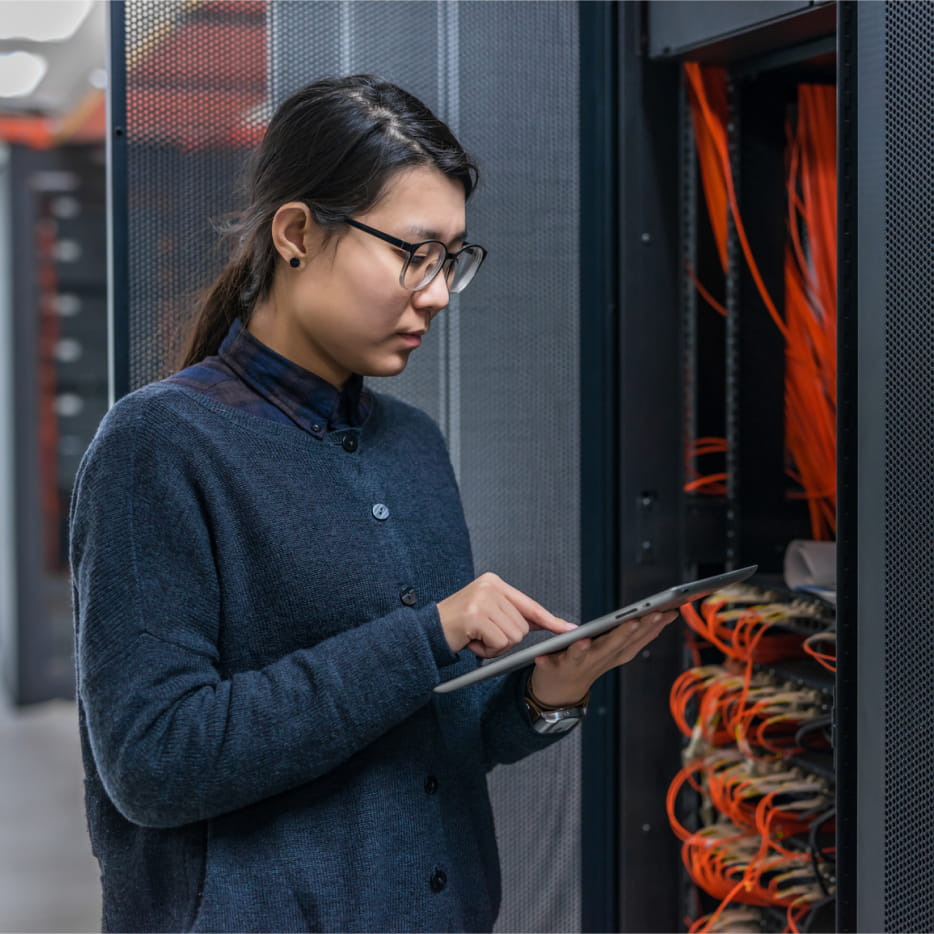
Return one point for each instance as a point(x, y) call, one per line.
point(886, 562)
point(879, 55)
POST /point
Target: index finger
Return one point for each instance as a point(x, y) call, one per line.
point(535, 614)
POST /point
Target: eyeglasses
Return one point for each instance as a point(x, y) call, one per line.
point(426, 259)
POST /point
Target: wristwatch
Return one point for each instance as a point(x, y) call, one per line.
point(546, 718)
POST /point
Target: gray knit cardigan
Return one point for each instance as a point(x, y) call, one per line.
point(257, 643)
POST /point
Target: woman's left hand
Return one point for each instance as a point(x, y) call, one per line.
point(565, 677)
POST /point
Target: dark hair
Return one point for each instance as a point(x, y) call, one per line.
point(334, 145)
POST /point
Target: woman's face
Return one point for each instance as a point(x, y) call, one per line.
point(344, 310)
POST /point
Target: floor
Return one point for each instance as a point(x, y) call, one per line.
point(48, 877)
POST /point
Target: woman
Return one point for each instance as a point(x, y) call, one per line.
point(272, 571)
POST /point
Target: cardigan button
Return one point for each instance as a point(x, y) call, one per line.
point(381, 511)
point(349, 443)
point(438, 880)
point(408, 596)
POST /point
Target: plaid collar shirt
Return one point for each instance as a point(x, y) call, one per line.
point(250, 376)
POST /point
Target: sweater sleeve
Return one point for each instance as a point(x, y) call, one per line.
point(174, 741)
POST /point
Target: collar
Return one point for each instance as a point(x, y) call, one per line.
point(308, 400)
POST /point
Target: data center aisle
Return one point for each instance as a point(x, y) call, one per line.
point(48, 877)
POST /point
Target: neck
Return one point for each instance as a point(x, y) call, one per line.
point(266, 324)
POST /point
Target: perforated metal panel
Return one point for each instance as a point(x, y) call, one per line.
point(909, 455)
point(196, 101)
point(885, 674)
point(500, 369)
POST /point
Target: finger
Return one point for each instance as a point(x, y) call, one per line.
point(646, 635)
point(490, 633)
point(622, 637)
point(574, 658)
point(511, 621)
point(536, 615)
point(482, 650)
point(578, 650)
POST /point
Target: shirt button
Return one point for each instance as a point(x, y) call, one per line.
point(408, 596)
point(431, 785)
point(438, 880)
point(349, 443)
point(381, 511)
point(316, 428)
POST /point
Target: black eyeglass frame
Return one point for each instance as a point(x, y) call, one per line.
point(412, 248)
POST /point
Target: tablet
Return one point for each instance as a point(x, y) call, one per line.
point(670, 599)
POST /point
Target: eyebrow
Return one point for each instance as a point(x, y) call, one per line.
point(420, 232)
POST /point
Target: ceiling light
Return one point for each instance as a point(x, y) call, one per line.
point(49, 21)
point(20, 73)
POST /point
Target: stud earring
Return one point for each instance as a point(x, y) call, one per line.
point(295, 262)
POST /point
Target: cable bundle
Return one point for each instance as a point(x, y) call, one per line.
point(764, 718)
point(808, 327)
point(811, 304)
point(709, 117)
point(745, 855)
point(736, 620)
point(759, 815)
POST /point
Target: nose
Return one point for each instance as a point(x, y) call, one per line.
point(433, 297)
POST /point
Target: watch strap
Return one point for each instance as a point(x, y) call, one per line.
point(541, 707)
point(551, 718)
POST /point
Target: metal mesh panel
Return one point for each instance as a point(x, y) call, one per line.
point(499, 370)
point(519, 417)
point(195, 100)
point(909, 454)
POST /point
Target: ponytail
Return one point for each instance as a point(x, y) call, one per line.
point(222, 303)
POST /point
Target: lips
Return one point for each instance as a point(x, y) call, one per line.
point(411, 338)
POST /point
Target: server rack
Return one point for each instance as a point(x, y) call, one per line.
point(879, 57)
point(52, 333)
point(730, 372)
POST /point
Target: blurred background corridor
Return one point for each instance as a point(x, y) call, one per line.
point(54, 371)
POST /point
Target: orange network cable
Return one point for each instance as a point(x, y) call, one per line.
point(727, 864)
point(825, 658)
point(743, 635)
point(743, 724)
point(741, 857)
point(809, 323)
point(702, 98)
point(810, 303)
point(709, 136)
point(714, 483)
point(763, 719)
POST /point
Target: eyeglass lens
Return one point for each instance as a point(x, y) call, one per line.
point(423, 265)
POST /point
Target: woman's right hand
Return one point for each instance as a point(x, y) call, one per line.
point(489, 617)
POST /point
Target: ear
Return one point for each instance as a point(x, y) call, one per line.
point(294, 231)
